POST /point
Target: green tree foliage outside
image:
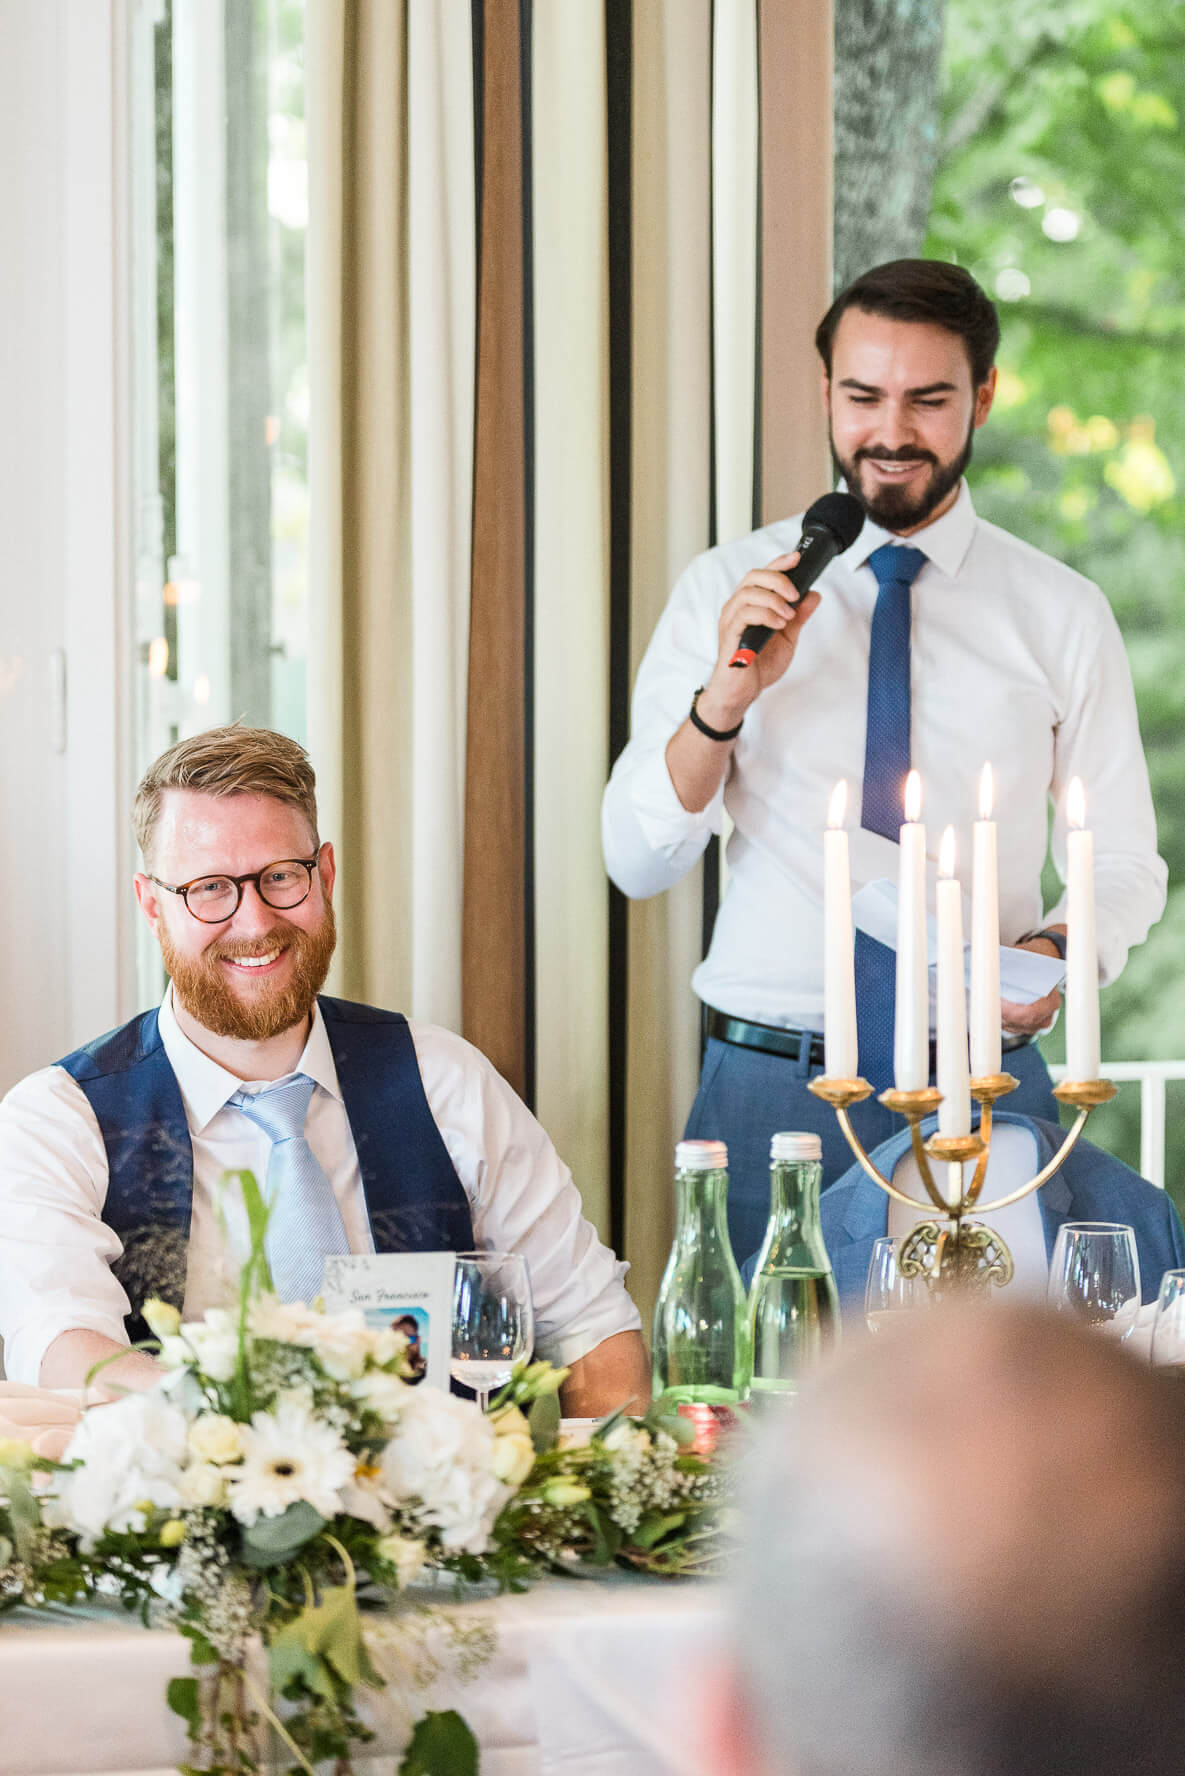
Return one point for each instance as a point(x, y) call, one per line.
point(1060, 183)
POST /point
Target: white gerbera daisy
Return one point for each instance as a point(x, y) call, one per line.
point(287, 1456)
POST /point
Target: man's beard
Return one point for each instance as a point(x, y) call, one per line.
point(207, 995)
point(902, 508)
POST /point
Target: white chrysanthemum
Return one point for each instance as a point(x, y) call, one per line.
point(286, 1322)
point(382, 1393)
point(441, 1459)
point(132, 1454)
point(363, 1498)
point(289, 1456)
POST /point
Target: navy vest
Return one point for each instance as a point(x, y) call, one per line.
point(413, 1196)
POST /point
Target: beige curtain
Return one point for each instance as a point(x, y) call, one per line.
point(472, 646)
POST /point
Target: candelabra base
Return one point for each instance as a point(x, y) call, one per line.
point(964, 1256)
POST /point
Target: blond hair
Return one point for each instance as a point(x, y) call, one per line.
point(228, 761)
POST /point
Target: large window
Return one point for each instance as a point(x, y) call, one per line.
point(220, 373)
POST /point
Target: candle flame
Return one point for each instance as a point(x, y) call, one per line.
point(913, 796)
point(985, 793)
point(1076, 803)
point(837, 807)
point(946, 853)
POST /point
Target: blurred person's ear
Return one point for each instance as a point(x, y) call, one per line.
point(729, 1739)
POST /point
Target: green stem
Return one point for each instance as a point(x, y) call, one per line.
point(269, 1714)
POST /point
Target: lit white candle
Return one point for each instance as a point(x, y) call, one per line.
point(953, 1078)
point(911, 1028)
point(1082, 956)
point(841, 1051)
point(985, 939)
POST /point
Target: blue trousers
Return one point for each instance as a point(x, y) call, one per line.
point(746, 1096)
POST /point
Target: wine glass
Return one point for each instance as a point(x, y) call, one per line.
point(493, 1319)
point(1095, 1273)
point(1168, 1325)
point(887, 1290)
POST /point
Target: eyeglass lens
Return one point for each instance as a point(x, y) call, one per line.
point(280, 885)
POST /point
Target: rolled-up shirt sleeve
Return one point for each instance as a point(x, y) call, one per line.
point(522, 1198)
point(55, 1250)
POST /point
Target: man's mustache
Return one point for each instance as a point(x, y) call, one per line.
point(902, 456)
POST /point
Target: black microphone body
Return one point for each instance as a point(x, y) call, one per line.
point(829, 527)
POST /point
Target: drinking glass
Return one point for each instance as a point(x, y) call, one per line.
point(1095, 1273)
point(493, 1319)
point(887, 1290)
point(1168, 1325)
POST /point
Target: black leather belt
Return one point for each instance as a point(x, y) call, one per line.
point(769, 1038)
point(774, 1039)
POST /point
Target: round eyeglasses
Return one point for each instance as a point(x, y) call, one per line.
point(214, 899)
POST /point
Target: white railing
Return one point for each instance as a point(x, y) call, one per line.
point(1153, 1077)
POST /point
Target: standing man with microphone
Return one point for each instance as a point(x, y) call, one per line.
point(930, 639)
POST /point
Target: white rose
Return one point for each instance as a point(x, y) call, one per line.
point(514, 1457)
point(203, 1486)
point(215, 1438)
point(284, 1322)
point(407, 1557)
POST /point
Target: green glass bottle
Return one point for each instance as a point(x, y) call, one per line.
point(793, 1303)
point(701, 1325)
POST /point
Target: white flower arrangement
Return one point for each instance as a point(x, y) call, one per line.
point(282, 1459)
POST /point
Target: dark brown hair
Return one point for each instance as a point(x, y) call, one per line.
point(928, 290)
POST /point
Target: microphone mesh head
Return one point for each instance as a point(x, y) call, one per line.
point(840, 513)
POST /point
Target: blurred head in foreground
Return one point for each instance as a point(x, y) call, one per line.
point(964, 1555)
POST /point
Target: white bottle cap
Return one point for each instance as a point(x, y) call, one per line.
point(701, 1156)
point(795, 1147)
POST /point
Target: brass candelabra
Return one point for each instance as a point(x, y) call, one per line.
point(947, 1246)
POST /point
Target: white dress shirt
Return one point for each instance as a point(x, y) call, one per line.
point(1015, 659)
point(55, 1251)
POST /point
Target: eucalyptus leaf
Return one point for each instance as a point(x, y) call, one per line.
point(543, 1416)
point(271, 1540)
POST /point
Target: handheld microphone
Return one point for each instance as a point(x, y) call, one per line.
point(829, 527)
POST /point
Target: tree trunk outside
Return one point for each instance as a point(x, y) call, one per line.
point(887, 69)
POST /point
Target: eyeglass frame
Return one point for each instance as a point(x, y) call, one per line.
point(240, 882)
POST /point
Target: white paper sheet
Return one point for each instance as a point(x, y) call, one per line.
point(1024, 974)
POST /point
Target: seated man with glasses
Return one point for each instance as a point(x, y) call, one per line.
point(371, 1133)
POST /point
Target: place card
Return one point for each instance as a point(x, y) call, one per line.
point(410, 1291)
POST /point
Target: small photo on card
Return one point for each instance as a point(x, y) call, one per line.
point(412, 1292)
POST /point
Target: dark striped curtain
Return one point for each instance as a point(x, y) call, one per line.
point(567, 257)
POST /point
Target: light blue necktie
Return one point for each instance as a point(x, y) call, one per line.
point(304, 1224)
point(886, 766)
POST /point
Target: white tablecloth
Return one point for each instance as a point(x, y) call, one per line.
point(587, 1676)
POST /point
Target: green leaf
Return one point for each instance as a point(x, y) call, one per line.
point(653, 1529)
point(324, 1640)
point(607, 1536)
point(543, 1416)
point(271, 1540)
point(182, 1697)
point(441, 1745)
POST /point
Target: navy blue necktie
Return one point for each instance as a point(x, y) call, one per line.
point(886, 766)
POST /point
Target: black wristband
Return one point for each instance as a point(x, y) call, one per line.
point(1056, 938)
point(697, 721)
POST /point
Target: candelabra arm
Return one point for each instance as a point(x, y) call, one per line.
point(971, 1197)
point(923, 1161)
point(853, 1141)
point(1046, 1172)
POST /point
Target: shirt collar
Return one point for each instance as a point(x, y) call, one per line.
point(945, 542)
point(206, 1087)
